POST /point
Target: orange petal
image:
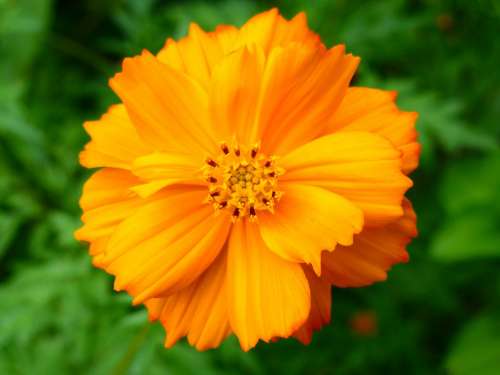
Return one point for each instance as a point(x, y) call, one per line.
point(168, 108)
point(234, 94)
point(363, 167)
point(321, 302)
point(269, 30)
point(165, 245)
point(372, 110)
point(106, 201)
point(267, 296)
point(115, 142)
point(308, 220)
point(374, 251)
point(199, 52)
point(196, 54)
point(199, 311)
point(162, 169)
point(302, 88)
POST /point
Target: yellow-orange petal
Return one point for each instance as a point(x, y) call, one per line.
point(114, 141)
point(106, 201)
point(199, 52)
point(168, 108)
point(267, 296)
point(363, 167)
point(269, 30)
point(196, 54)
point(321, 301)
point(234, 93)
point(302, 89)
point(165, 245)
point(372, 110)
point(374, 251)
point(199, 311)
point(308, 220)
point(160, 169)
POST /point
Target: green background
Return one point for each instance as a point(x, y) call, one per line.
point(439, 314)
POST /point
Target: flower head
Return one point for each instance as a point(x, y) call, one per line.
point(241, 177)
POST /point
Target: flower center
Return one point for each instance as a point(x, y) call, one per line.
point(242, 181)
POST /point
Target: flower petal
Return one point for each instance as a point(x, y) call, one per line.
point(268, 296)
point(374, 251)
point(308, 220)
point(106, 201)
point(199, 311)
point(364, 168)
point(372, 110)
point(115, 142)
point(303, 86)
point(270, 30)
point(234, 94)
point(166, 244)
point(162, 169)
point(198, 53)
point(321, 303)
point(168, 108)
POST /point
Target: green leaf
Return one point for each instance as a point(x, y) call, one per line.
point(477, 348)
point(468, 236)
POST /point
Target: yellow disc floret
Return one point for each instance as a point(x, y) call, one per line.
point(243, 181)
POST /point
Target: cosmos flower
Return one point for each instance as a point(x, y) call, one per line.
point(241, 177)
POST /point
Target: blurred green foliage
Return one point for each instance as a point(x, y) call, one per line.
point(439, 314)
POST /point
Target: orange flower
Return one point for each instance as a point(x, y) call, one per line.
point(241, 177)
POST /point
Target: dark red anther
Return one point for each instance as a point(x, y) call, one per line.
point(212, 163)
point(236, 212)
point(215, 194)
point(212, 179)
point(237, 152)
point(224, 149)
point(253, 153)
point(268, 164)
point(252, 211)
point(222, 204)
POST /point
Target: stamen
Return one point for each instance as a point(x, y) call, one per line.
point(224, 148)
point(242, 180)
point(212, 163)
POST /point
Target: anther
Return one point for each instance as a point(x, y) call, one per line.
point(212, 163)
point(252, 211)
point(215, 194)
point(271, 174)
point(224, 148)
point(268, 164)
point(253, 153)
point(222, 204)
point(236, 212)
point(237, 152)
point(212, 179)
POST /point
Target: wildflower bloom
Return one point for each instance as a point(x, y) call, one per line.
point(241, 178)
